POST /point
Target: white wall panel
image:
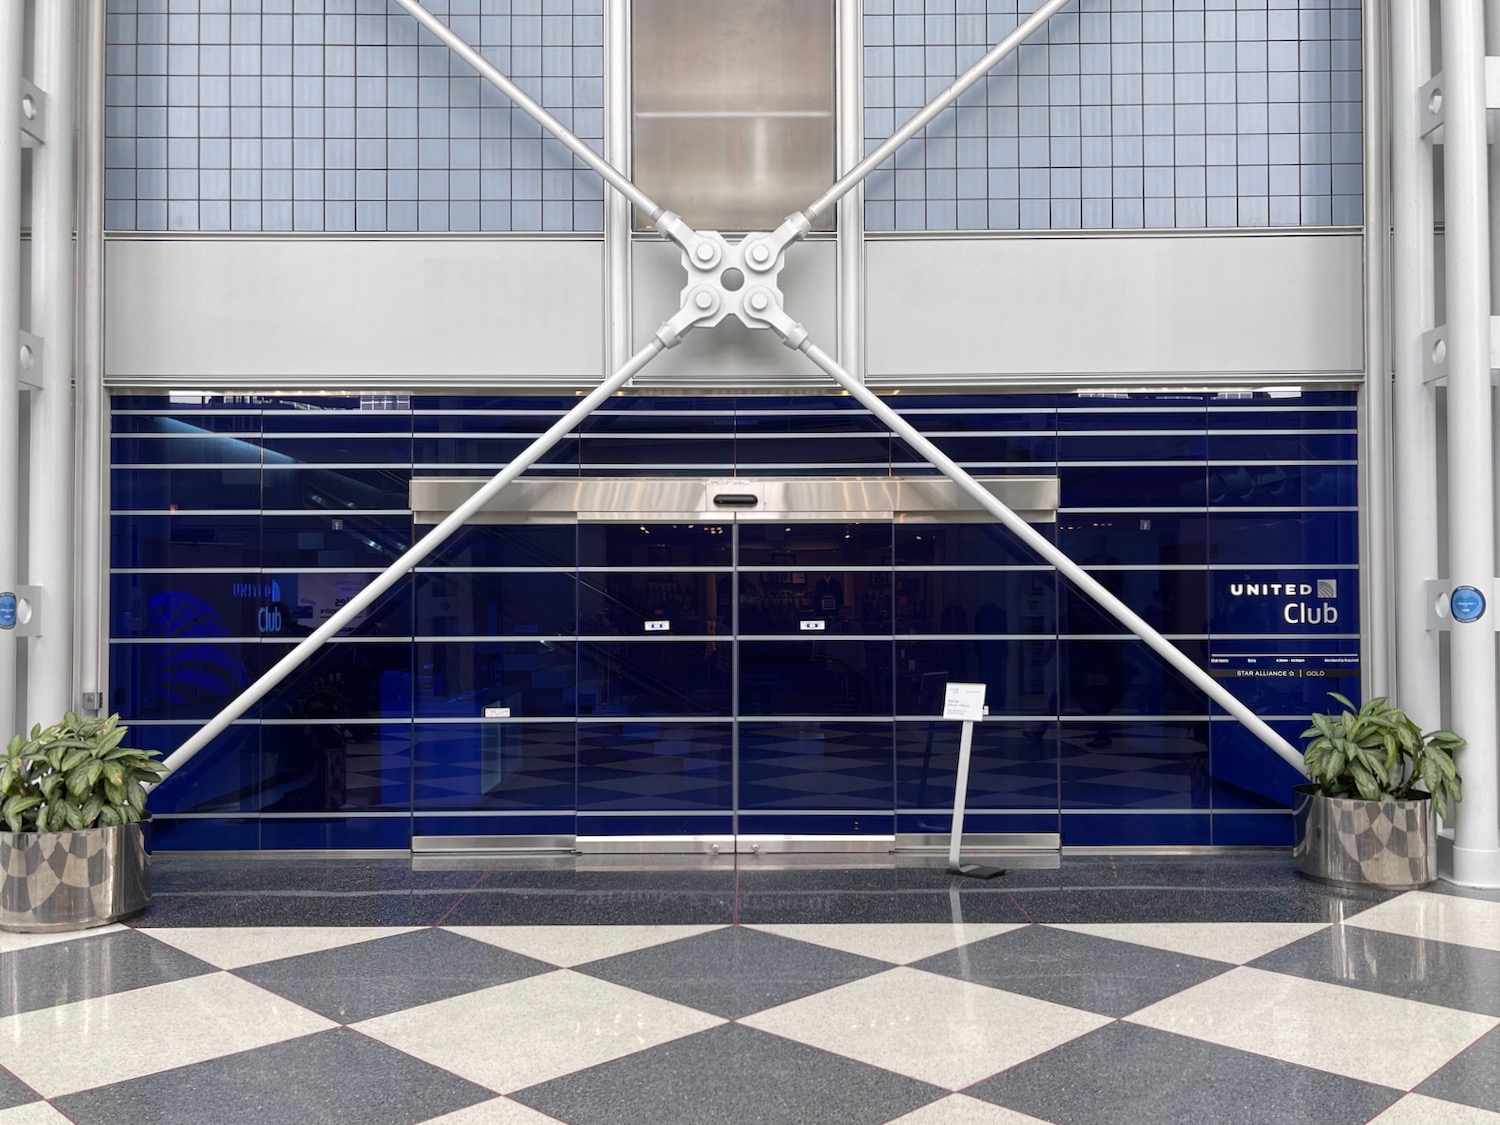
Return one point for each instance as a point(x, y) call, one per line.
point(971, 309)
point(326, 311)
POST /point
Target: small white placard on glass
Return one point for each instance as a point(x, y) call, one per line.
point(964, 701)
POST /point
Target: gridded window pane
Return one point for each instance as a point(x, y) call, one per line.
point(734, 108)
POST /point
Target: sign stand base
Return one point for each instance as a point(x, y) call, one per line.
point(960, 793)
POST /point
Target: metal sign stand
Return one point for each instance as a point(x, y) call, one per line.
point(966, 702)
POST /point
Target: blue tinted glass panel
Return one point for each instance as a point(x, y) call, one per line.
point(640, 678)
point(816, 765)
point(528, 423)
point(1295, 419)
point(178, 450)
point(164, 605)
point(1152, 538)
point(1307, 538)
point(493, 766)
point(335, 767)
point(1129, 420)
point(184, 489)
point(815, 678)
point(222, 777)
point(804, 421)
point(1131, 447)
point(192, 423)
point(808, 546)
point(1027, 451)
point(338, 833)
point(337, 488)
point(1008, 601)
point(344, 680)
point(1019, 676)
point(323, 422)
point(488, 452)
point(756, 453)
point(204, 834)
point(1282, 447)
point(779, 601)
point(1282, 486)
point(462, 678)
point(623, 603)
point(185, 540)
point(1143, 829)
point(303, 602)
point(335, 541)
point(664, 450)
point(1287, 676)
point(354, 448)
point(964, 544)
point(1252, 830)
point(656, 767)
point(458, 604)
point(654, 417)
point(1172, 601)
point(1249, 775)
point(979, 412)
point(1014, 765)
point(1122, 486)
point(188, 679)
point(505, 545)
point(1135, 765)
point(654, 545)
point(1125, 678)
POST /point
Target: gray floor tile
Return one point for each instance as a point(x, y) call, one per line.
point(1112, 978)
point(1442, 888)
point(1434, 972)
point(734, 972)
point(1166, 904)
point(13, 1091)
point(1472, 1078)
point(730, 1075)
point(375, 978)
point(855, 895)
point(65, 971)
point(333, 1076)
point(1126, 1073)
point(232, 905)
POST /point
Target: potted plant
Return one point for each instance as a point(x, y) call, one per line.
point(72, 798)
point(1362, 817)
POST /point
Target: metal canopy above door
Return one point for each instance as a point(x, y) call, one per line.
point(906, 499)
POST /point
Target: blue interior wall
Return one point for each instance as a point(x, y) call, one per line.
point(1228, 520)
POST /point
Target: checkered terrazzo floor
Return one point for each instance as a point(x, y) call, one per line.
point(1104, 991)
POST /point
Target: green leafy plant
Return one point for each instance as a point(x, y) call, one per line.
point(1377, 753)
point(75, 775)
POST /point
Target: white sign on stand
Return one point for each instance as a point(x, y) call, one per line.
point(966, 702)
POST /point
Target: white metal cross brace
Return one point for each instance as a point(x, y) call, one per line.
point(738, 279)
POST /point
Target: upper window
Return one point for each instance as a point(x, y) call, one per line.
point(734, 108)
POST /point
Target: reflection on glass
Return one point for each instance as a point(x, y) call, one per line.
point(974, 602)
point(663, 767)
point(810, 546)
point(629, 603)
point(1020, 677)
point(633, 678)
point(459, 604)
point(648, 546)
point(532, 678)
point(815, 677)
point(335, 767)
point(493, 766)
point(815, 765)
point(825, 601)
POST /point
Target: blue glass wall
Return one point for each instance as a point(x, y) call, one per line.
point(340, 115)
point(238, 524)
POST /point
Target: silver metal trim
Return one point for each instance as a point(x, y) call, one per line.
point(499, 845)
point(937, 843)
point(924, 499)
point(645, 845)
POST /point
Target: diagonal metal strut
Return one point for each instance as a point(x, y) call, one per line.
point(705, 302)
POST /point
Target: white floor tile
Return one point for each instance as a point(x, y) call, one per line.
point(37, 1113)
point(567, 946)
point(1414, 1109)
point(9, 941)
point(1464, 921)
point(940, 1030)
point(956, 1109)
point(147, 1030)
point(236, 947)
point(899, 944)
point(516, 1035)
point(1320, 1025)
point(1235, 942)
point(501, 1111)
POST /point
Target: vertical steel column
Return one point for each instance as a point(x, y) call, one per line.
point(12, 32)
point(1418, 680)
point(849, 29)
point(1471, 453)
point(49, 673)
point(1377, 626)
point(90, 441)
point(618, 331)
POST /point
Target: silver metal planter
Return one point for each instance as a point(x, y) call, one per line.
point(51, 881)
point(1388, 844)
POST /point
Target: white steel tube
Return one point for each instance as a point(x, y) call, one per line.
point(851, 217)
point(856, 175)
point(1376, 564)
point(90, 570)
point(1471, 452)
point(533, 109)
point(1418, 681)
point(617, 212)
point(12, 31)
point(415, 554)
point(49, 672)
point(1049, 551)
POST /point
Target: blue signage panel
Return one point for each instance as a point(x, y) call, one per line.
point(1467, 604)
point(7, 610)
